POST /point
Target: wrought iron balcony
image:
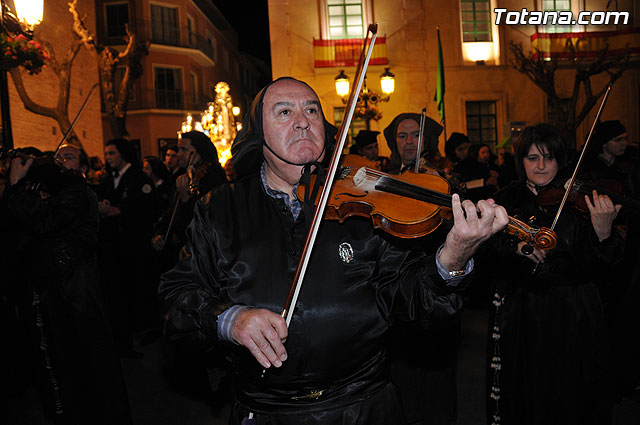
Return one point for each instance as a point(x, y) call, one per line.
point(168, 35)
point(168, 99)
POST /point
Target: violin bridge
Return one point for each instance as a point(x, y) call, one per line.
point(360, 176)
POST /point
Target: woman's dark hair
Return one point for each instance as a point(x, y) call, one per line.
point(544, 136)
point(454, 141)
point(95, 163)
point(158, 167)
point(474, 150)
point(207, 151)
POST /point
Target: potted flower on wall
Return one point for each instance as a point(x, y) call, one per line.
point(21, 51)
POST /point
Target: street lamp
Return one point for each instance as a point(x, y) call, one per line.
point(367, 99)
point(29, 13)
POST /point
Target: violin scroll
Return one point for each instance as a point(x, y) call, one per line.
point(542, 238)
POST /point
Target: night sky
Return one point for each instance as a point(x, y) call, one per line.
point(251, 22)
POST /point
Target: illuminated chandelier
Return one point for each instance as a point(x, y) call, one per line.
point(218, 122)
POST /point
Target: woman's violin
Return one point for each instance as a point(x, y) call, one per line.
point(552, 196)
point(195, 176)
point(408, 205)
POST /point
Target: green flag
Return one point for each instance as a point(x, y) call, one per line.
point(439, 97)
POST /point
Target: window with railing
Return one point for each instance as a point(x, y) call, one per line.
point(556, 6)
point(190, 38)
point(476, 20)
point(482, 122)
point(164, 25)
point(211, 41)
point(194, 87)
point(345, 18)
point(116, 16)
point(168, 88)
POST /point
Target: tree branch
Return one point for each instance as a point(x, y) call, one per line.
point(29, 104)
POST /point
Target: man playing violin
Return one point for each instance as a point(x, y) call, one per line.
point(423, 361)
point(402, 137)
point(244, 245)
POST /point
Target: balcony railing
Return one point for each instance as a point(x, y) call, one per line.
point(585, 44)
point(171, 36)
point(336, 53)
point(169, 99)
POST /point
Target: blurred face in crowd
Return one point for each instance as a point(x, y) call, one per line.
point(407, 136)
point(171, 159)
point(369, 151)
point(69, 158)
point(617, 145)
point(187, 153)
point(146, 168)
point(541, 168)
point(484, 155)
point(113, 158)
point(462, 151)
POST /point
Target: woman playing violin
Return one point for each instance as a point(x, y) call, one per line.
point(549, 358)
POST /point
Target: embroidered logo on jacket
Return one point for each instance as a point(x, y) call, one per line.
point(346, 252)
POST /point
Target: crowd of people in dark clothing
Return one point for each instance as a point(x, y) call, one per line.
point(81, 272)
point(85, 243)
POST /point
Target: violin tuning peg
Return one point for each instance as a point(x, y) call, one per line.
point(531, 220)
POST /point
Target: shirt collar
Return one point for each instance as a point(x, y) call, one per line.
point(290, 200)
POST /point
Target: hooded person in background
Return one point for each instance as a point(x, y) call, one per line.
point(457, 147)
point(245, 241)
point(402, 138)
point(366, 144)
point(423, 361)
point(608, 156)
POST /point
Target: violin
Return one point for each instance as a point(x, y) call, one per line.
point(409, 205)
point(45, 173)
point(195, 176)
point(552, 196)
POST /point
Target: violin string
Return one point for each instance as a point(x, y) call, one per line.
point(587, 189)
point(408, 189)
point(384, 181)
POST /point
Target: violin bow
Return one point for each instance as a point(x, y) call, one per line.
point(584, 150)
point(75, 119)
point(177, 201)
point(569, 185)
point(419, 151)
point(363, 63)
